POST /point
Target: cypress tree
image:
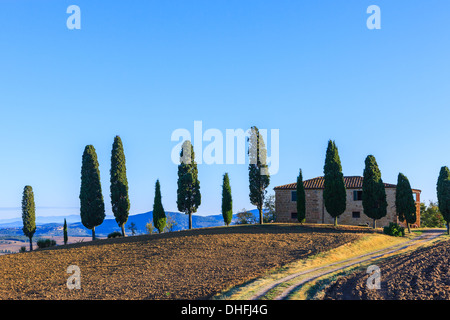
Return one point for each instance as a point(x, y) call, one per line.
point(301, 198)
point(28, 214)
point(92, 206)
point(373, 191)
point(65, 232)
point(334, 193)
point(259, 178)
point(159, 215)
point(443, 195)
point(404, 201)
point(188, 191)
point(227, 201)
point(119, 184)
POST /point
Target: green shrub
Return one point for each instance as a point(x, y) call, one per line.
point(45, 243)
point(22, 249)
point(114, 234)
point(394, 229)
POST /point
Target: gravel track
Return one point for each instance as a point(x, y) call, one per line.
point(423, 274)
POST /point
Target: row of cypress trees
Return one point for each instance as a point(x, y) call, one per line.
point(373, 191)
point(92, 207)
point(188, 191)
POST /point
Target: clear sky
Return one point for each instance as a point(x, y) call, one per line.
point(142, 69)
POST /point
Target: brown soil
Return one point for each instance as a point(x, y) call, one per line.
point(423, 274)
point(192, 264)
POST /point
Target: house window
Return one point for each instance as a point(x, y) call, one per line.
point(294, 215)
point(356, 214)
point(294, 196)
point(357, 195)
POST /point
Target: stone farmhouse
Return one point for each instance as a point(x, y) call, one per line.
point(286, 203)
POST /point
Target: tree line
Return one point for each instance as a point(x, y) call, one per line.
point(92, 205)
point(373, 191)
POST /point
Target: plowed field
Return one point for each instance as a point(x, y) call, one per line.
point(423, 274)
point(193, 264)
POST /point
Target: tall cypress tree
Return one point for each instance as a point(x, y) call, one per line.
point(334, 193)
point(301, 198)
point(404, 201)
point(92, 206)
point(65, 232)
point(159, 215)
point(258, 170)
point(373, 191)
point(119, 184)
point(28, 214)
point(227, 200)
point(443, 195)
point(188, 191)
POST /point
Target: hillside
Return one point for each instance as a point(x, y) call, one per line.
point(189, 264)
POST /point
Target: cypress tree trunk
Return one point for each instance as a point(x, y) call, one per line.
point(190, 220)
point(31, 244)
point(409, 227)
point(335, 221)
point(93, 233)
point(261, 220)
point(122, 226)
point(374, 223)
point(448, 228)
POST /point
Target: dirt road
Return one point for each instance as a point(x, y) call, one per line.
point(284, 287)
point(423, 274)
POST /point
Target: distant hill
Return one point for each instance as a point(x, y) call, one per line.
point(52, 226)
point(17, 222)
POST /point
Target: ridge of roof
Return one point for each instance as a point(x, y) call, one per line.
point(351, 182)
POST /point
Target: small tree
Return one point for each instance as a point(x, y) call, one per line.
point(188, 191)
point(443, 195)
point(28, 214)
point(120, 201)
point(150, 228)
point(245, 217)
point(430, 217)
point(404, 201)
point(92, 207)
point(170, 224)
point(227, 200)
point(259, 178)
point(159, 215)
point(65, 232)
point(301, 198)
point(373, 191)
point(132, 227)
point(334, 192)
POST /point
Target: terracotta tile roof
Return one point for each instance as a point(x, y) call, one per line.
point(352, 182)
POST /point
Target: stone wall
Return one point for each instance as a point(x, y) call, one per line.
point(316, 212)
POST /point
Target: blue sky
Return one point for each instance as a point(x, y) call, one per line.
point(142, 69)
